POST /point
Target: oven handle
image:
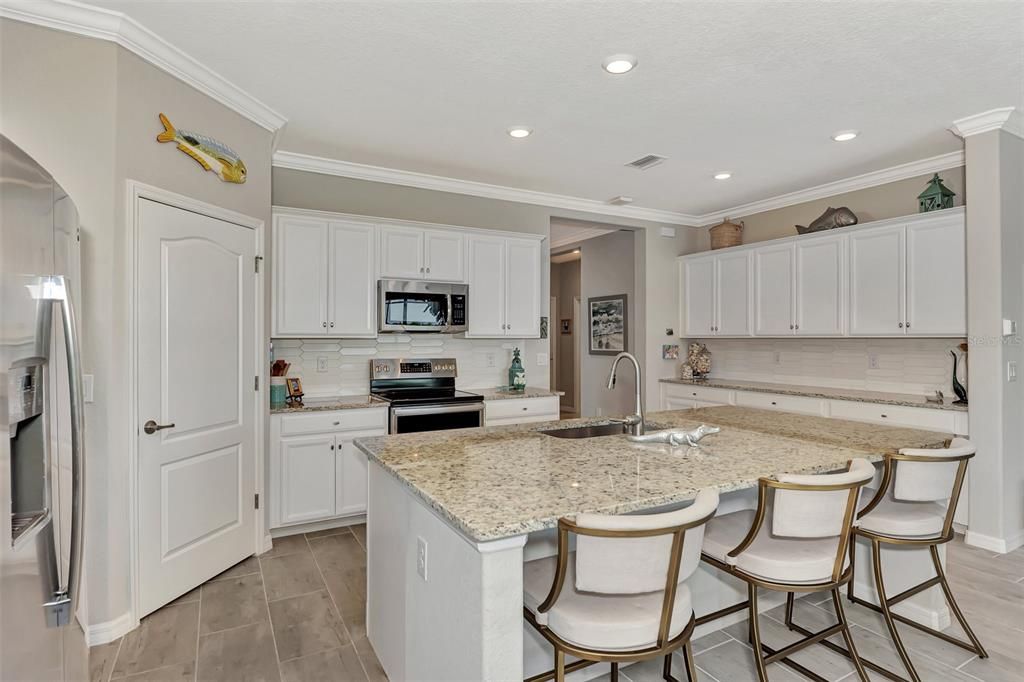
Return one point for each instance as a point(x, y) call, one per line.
point(397, 412)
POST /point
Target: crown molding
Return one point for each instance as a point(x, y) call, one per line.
point(830, 189)
point(1004, 118)
point(392, 176)
point(116, 27)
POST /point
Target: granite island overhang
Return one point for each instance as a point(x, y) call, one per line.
point(450, 513)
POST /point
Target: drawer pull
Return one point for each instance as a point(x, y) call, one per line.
point(525, 409)
point(885, 416)
point(337, 423)
point(774, 403)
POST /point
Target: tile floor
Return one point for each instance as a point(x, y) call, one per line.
point(297, 613)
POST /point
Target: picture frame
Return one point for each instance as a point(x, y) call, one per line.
point(566, 325)
point(294, 386)
point(609, 324)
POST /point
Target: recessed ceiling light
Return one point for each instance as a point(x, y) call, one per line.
point(619, 63)
point(845, 135)
point(519, 131)
point(576, 251)
point(724, 175)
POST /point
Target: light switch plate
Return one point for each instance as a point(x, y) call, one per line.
point(872, 361)
point(489, 359)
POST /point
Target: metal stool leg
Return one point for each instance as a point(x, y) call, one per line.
point(853, 566)
point(789, 609)
point(615, 672)
point(953, 605)
point(691, 667)
point(559, 665)
point(755, 634)
point(850, 646)
point(883, 602)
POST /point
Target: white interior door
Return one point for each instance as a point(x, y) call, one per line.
point(196, 346)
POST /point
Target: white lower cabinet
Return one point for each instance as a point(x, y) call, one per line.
point(521, 410)
point(316, 471)
point(688, 397)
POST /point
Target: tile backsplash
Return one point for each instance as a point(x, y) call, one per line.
point(348, 360)
point(900, 365)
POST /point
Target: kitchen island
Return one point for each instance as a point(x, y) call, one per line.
point(453, 515)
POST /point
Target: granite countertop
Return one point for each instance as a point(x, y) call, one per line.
point(502, 393)
point(906, 399)
point(502, 481)
point(341, 402)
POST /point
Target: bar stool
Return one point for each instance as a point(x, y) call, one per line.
point(621, 596)
point(905, 512)
point(804, 549)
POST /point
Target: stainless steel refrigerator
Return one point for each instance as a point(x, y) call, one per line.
point(42, 458)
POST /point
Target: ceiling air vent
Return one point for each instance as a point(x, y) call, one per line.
point(645, 162)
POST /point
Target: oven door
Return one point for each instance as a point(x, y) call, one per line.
point(436, 417)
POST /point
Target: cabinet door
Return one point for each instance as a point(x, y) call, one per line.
point(698, 297)
point(401, 253)
point(877, 271)
point(444, 255)
point(732, 294)
point(351, 483)
point(522, 288)
point(773, 291)
point(300, 277)
point(820, 286)
point(307, 478)
point(352, 295)
point(486, 286)
point(936, 277)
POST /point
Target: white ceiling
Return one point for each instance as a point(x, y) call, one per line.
point(755, 88)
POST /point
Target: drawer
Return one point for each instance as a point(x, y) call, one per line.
point(897, 415)
point(334, 421)
point(686, 404)
point(785, 403)
point(705, 394)
point(520, 409)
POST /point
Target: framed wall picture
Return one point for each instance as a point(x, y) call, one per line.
point(566, 326)
point(609, 327)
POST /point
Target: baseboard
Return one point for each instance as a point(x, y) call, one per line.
point(314, 526)
point(108, 631)
point(994, 544)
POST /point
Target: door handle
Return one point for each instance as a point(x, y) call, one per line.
point(152, 427)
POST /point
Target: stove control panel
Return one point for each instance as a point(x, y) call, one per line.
point(413, 368)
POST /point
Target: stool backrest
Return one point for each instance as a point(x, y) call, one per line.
point(920, 480)
point(803, 509)
point(632, 554)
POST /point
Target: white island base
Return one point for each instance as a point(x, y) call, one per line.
point(462, 621)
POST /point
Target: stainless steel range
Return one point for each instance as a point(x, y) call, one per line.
point(422, 395)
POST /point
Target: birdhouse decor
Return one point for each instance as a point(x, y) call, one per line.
point(935, 196)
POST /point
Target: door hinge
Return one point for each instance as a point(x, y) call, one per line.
point(256, 383)
point(257, 500)
point(258, 259)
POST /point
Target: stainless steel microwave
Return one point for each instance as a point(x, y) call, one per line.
point(413, 306)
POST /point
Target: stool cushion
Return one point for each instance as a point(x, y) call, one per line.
point(899, 519)
point(778, 559)
point(607, 622)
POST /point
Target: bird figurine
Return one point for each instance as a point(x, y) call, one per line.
point(958, 388)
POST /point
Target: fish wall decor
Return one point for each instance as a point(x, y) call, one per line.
point(211, 154)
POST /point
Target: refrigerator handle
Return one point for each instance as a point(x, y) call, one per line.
point(61, 607)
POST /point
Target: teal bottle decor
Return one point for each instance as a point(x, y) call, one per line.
point(516, 373)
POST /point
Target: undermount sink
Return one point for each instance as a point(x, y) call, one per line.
point(592, 431)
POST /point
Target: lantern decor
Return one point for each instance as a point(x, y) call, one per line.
point(935, 196)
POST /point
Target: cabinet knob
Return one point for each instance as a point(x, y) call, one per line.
point(908, 325)
point(332, 325)
point(796, 327)
point(774, 403)
point(325, 325)
point(332, 446)
point(525, 409)
point(421, 269)
point(428, 269)
point(885, 416)
point(337, 423)
point(790, 326)
point(901, 325)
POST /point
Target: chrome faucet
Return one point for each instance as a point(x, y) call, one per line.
point(634, 422)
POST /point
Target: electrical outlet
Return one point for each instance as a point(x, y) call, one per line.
point(777, 357)
point(542, 359)
point(489, 359)
point(421, 558)
point(1011, 370)
point(321, 364)
point(872, 361)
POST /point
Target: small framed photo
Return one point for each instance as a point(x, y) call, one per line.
point(609, 327)
point(294, 385)
point(566, 326)
point(670, 352)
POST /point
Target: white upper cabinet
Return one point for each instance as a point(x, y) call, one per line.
point(936, 277)
point(353, 288)
point(300, 277)
point(522, 288)
point(698, 296)
point(774, 279)
point(898, 277)
point(820, 286)
point(414, 253)
point(444, 256)
point(877, 276)
point(401, 253)
point(504, 287)
point(732, 294)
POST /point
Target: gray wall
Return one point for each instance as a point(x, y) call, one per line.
point(565, 286)
point(890, 200)
point(87, 110)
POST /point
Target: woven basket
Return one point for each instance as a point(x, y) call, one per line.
point(726, 234)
